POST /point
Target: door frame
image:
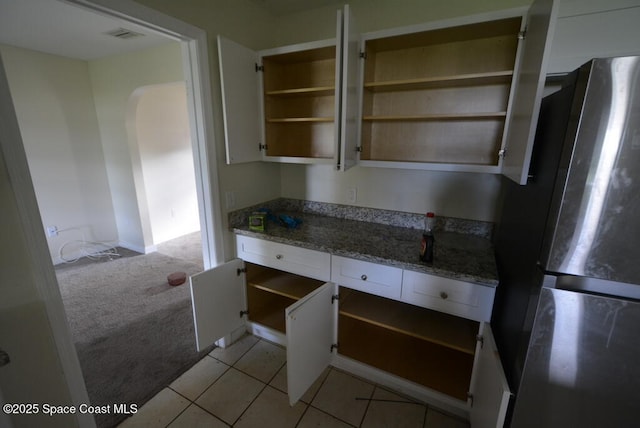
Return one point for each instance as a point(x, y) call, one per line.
point(196, 67)
point(195, 63)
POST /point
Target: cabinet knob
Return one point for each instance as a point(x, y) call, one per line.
point(279, 256)
point(444, 295)
point(363, 277)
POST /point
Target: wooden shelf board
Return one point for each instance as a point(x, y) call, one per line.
point(446, 330)
point(315, 91)
point(301, 120)
point(284, 284)
point(436, 367)
point(490, 78)
point(453, 116)
point(307, 55)
point(274, 320)
point(267, 308)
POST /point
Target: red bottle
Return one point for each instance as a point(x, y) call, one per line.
point(428, 241)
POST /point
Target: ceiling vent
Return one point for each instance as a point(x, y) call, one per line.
point(123, 33)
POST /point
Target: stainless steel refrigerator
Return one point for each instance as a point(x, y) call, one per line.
point(567, 310)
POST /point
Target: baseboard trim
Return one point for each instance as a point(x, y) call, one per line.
point(138, 248)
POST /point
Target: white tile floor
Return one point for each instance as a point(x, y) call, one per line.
point(245, 385)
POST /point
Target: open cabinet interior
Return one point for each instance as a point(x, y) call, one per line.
point(271, 291)
point(300, 103)
point(439, 96)
point(424, 346)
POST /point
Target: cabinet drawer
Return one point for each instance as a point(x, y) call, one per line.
point(455, 297)
point(371, 278)
point(301, 261)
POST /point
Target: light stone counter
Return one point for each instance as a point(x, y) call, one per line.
point(463, 249)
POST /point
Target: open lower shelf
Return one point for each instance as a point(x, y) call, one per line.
point(270, 292)
point(282, 283)
point(267, 308)
point(442, 329)
point(436, 367)
point(476, 79)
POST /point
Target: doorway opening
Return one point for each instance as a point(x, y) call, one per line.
point(193, 45)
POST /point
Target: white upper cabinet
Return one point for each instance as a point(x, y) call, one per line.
point(456, 95)
point(350, 91)
point(282, 104)
point(442, 95)
point(240, 101)
point(528, 89)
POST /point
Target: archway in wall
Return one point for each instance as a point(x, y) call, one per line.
point(158, 128)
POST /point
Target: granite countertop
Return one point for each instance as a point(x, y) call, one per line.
point(461, 256)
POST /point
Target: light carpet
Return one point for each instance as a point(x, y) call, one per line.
point(133, 331)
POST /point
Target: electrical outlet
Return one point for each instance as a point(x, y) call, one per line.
point(52, 231)
point(352, 195)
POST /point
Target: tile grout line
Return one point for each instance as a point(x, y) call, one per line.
point(310, 404)
point(366, 409)
point(250, 404)
point(209, 386)
point(193, 402)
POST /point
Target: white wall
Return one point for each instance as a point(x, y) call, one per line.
point(25, 324)
point(158, 125)
point(114, 80)
point(54, 104)
point(594, 28)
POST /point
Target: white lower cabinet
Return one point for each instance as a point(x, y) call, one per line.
point(384, 333)
point(448, 295)
point(385, 281)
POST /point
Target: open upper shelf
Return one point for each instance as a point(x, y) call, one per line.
point(439, 96)
point(488, 78)
point(305, 92)
point(300, 119)
point(452, 116)
point(300, 103)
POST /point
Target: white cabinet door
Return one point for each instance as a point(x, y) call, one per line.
point(310, 324)
point(489, 385)
point(349, 91)
point(529, 85)
point(240, 83)
point(217, 298)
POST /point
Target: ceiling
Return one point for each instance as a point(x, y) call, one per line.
point(58, 28)
point(284, 7)
point(61, 29)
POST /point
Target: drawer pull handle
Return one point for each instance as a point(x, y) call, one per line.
point(279, 256)
point(444, 295)
point(363, 277)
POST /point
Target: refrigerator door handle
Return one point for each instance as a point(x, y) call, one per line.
point(584, 284)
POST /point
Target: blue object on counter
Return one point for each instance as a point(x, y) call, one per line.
point(289, 222)
point(283, 219)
